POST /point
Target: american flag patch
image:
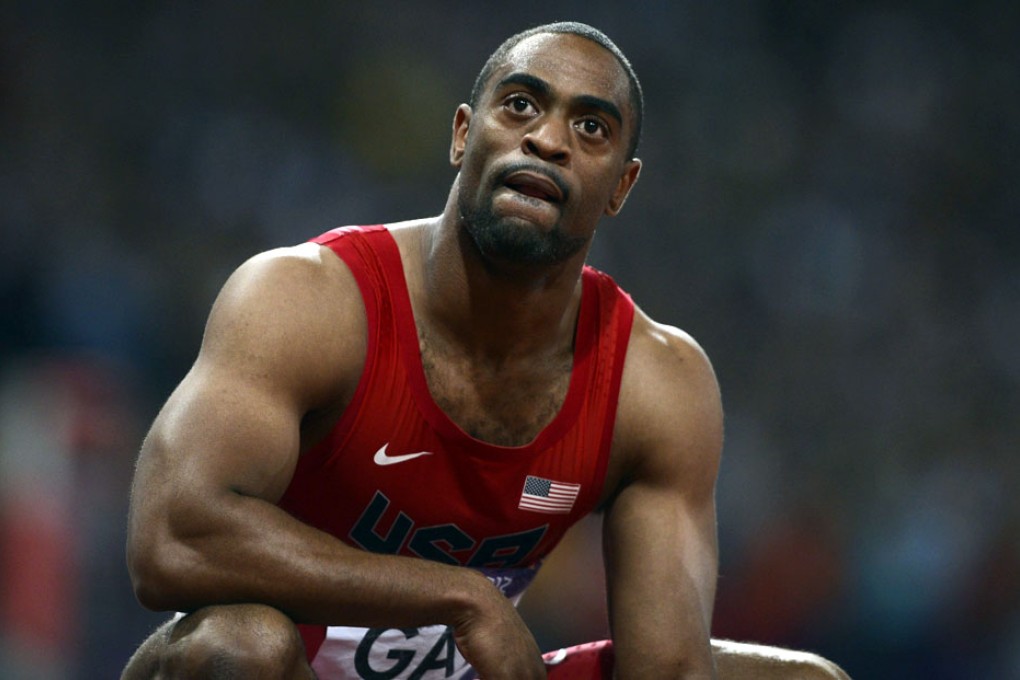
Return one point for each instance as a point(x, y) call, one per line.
point(545, 495)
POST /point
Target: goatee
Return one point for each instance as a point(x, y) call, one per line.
point(508, 240)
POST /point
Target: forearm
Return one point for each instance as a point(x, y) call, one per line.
point(649, 647)
point(242, 549)
point(662, 657)
point(658, 618)
point(660, 585)
point(205, 528)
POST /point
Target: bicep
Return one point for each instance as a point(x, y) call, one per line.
point(219, 442)
point(233, 425)
point(220, 431)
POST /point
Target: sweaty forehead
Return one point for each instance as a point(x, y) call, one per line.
point(571, 64)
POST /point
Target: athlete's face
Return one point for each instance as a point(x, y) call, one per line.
point(543, 155)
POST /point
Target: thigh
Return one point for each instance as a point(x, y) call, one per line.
point(733, 661)
point(739, 660)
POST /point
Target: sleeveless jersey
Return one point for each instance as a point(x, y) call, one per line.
point(396, 475)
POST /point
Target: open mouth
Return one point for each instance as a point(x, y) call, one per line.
point(534, 185)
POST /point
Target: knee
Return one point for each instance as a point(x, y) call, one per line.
point(809, 666)
point(814, 667)
point(235, 641)
point(740, 661)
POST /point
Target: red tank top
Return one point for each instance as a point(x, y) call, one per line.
point(396, 475)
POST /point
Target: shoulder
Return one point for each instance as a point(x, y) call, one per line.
point(291, 278)
point(670, 409)
point(281, 312)
point(666, 370)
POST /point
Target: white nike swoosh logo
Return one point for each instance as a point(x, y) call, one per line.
point(382, 459)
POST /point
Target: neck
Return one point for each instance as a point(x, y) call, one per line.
point(494, 311)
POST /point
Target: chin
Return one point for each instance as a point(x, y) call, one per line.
point(517, 240)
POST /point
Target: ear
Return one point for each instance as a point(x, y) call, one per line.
point(627, 181)
point(461, 122)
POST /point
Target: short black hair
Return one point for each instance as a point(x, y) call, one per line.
point(637, 100)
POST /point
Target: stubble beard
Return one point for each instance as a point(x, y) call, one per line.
point(506, 239)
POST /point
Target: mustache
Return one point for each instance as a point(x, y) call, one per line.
point(522, 166)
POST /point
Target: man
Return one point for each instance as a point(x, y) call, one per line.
point(459, 389)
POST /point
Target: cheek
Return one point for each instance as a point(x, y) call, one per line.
point(471, 167)
point(598, 194)
point(477, 151)
point(482, 138)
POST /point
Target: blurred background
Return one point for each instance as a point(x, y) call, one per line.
point(829, 204)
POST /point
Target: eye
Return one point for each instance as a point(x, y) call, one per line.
point(594, 127)
point(519, 104)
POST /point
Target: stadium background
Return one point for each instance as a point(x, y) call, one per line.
point(829, 204)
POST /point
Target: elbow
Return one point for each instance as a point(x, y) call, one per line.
point(158, 576)
point(150, 589)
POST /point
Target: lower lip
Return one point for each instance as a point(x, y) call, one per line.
point(530, 196)
point(520, 203)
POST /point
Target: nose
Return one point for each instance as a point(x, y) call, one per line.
point(549, 140)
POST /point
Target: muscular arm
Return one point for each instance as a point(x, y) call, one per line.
point(660, 531)
point(285, 340)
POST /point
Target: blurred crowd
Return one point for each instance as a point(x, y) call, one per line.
point(829, 204)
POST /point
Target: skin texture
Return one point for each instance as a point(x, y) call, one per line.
point(495, 288)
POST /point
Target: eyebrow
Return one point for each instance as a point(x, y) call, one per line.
point(541, 87)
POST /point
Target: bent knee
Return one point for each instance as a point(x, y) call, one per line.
point(235, 641)
point(742, 661)
point(811, 666)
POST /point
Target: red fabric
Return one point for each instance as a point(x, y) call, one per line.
point(590, 661)
point(459, 503)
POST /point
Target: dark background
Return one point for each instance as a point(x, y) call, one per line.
point(829, 204)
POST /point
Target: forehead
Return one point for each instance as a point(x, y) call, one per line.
point(571, 64)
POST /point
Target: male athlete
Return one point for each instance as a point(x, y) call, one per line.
point(388, 428)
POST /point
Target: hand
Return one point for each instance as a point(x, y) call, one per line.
point(496, 642)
